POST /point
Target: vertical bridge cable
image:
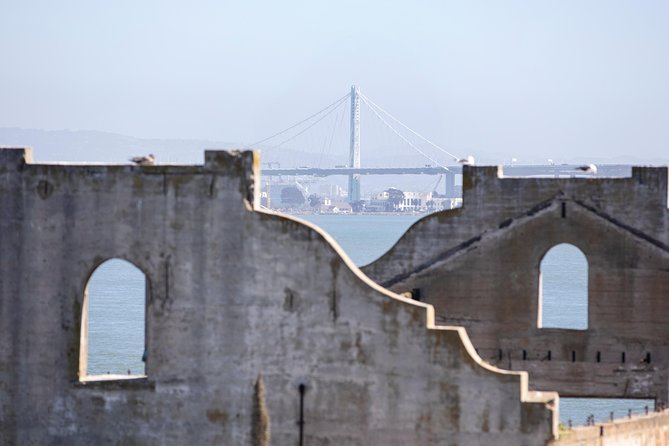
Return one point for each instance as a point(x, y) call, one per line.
point(412, 145)
point(369, 101)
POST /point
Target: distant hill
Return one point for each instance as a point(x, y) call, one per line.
point(95, 146)
point(87, 145)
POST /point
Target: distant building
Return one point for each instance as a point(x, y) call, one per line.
point(377, 202)
point(412, 202)
point(442, 203)
point(285, 196)
point(339, 207)
point(415, 201)
point(265, 200)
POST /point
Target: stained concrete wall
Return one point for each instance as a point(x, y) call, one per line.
point(480, 267)
point(233, 294)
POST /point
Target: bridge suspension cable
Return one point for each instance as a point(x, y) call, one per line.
point(330, 108)
point(402, 137)
point(373, 104)
point(312, 124)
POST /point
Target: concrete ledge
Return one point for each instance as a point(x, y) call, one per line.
point(118, 382)
point(645, 430)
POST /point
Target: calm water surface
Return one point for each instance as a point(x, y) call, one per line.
point(116, 304)
point(116, 307)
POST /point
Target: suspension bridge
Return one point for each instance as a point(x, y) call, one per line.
point(353, 169)
point(436, 160)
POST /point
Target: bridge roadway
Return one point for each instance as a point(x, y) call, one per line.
point(562, 170)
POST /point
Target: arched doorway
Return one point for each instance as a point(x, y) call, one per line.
point(563, 288)
point(113, 322)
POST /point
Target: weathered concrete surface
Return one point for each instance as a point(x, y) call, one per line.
point(234, 294)
point(479, 266)
point(648, 430)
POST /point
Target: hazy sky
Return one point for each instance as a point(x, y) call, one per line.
point(554, 79)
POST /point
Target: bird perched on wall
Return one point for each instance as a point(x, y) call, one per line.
point(146, 160)
point(469, 161)
point(588, 168)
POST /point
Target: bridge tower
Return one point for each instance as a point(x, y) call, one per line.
point(354, 155)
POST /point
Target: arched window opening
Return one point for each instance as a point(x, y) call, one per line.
point(563, 288)
point(113, 323)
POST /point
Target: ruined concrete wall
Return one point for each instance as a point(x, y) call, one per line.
point(234, 294)
point(650, 430)
point(479, 266)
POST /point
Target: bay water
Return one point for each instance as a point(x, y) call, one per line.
point(117, 289)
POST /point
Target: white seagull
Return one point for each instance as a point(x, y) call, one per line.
point(588, 168)
point(469, 161)
point(146, 160)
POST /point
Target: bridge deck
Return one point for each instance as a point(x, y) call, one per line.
point(604, 170)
